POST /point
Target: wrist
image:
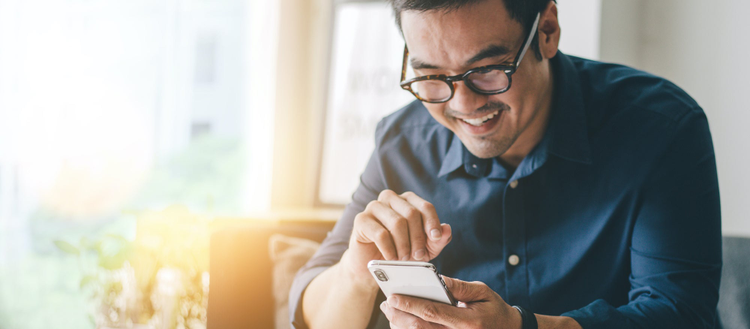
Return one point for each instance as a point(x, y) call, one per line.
point(517, 318)
point(361, 280)
point(528, 319)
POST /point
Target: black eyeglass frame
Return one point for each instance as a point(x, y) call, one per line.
point(507, 69)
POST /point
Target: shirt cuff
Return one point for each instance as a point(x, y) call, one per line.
point(301, 282)
point(598, 314)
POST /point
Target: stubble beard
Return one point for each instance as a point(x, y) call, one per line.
point(486, 147)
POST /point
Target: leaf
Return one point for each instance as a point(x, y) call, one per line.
point(117, 238)
point(87, 280)
point(67, 247)
point(113, 261)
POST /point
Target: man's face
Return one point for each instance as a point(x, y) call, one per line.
point(476, 35)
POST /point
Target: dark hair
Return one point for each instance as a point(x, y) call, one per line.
point(523, 11)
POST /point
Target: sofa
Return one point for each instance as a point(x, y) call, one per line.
point(241, 293)
point(248, 266)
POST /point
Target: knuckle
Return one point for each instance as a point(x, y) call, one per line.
point(361, 216)
point(414, 324)
point(412, 213)
point(381, 235)
point(463, 287)
point(408, 194)
point(427, 207)
point(456, 322)
point(429, 312)
point(418, 239)
point(384, 194)
point(369, 206)
point(400, 222)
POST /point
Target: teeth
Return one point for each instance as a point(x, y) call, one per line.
point(479, 121)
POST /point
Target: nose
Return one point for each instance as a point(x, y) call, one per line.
point(465, 100)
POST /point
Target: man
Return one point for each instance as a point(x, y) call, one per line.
point(575, 194)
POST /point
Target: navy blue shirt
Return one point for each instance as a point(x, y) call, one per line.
point(614, 216)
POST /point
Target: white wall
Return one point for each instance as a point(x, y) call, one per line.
point(702, 46)
point(580, 19)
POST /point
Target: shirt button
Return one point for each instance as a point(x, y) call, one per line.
point(474, 166)
point(513, 260)
point(513, 184)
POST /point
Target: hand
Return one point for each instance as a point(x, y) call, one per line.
point(394, 227)
point(478, 307)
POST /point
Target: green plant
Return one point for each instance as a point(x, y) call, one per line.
point(124, 278)
point(103, 263)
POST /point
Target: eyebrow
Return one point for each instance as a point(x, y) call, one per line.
point(420, 65)
point(488, 52)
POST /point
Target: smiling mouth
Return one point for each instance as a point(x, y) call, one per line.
point(479, 121)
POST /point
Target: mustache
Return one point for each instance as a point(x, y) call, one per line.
point(490, 107)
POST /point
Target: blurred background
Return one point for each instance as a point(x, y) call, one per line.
point(131, 130)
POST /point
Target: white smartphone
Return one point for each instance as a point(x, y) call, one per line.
point(417, 279)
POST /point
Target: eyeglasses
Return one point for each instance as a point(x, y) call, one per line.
point(485, 80)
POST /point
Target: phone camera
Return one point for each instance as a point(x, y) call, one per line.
point(381, 275)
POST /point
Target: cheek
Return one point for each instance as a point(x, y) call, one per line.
point(437, 111)
point(525, 86)
point(520, 98)
point(513, 100)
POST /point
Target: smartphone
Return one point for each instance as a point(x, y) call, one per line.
point(417, 279)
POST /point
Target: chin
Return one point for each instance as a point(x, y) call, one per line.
point(486, 149)
point(484, 154)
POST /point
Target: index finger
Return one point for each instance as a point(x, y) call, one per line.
point(429, 215)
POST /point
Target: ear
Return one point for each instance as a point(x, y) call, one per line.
point(549, 31)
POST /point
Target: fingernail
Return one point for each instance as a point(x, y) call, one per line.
point(419, 254)
point(382, 306)
point(393, 301)
point(436, 234)
point(405, 258)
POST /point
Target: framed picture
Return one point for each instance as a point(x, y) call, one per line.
point(363, 86)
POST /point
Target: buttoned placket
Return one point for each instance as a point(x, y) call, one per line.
point(514, 245)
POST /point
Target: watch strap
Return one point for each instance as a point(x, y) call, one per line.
point(528, 319)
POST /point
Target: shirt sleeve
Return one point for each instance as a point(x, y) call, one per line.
point(676, 242)
point(333, 247)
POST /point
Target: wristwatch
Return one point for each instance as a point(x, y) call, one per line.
point(528, 320)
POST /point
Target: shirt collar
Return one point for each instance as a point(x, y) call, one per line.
point(566, 135)
point(453, 158)
point(568, 128)
point(458, 156)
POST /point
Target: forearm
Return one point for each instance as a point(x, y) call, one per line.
point(335, 300)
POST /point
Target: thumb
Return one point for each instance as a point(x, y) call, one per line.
point(435, 247)
point(466, 292)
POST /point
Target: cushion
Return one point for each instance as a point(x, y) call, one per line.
point(734, 294)
point(288, 255)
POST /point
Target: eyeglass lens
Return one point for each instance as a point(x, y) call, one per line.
point(490, 80)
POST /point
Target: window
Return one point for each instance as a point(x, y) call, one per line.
point(364, 70)
point(111, 108)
